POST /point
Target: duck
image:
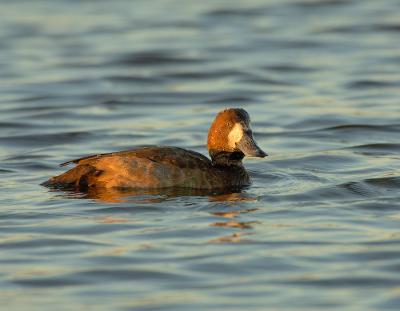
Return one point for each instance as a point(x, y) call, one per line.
point(229, 140)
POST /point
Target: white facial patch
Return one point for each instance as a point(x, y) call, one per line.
point(235, 135)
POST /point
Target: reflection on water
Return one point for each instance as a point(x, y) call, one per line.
point(233, 214)
point(317, 230)
point(235, 224)
point(121, 195)
point(237, 237)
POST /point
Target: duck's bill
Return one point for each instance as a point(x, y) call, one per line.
point(249, 147)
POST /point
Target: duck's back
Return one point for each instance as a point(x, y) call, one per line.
point(149, 167)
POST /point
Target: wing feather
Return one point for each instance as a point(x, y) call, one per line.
point(179, 157)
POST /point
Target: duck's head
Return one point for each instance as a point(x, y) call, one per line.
point(230, 137)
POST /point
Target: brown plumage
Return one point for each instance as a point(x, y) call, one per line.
point(221, 127)
point(162, 167)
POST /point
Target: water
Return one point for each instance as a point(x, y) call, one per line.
point(317, 230)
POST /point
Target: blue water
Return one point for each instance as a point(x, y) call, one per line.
point(317, 230)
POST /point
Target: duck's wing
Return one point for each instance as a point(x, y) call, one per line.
point(93, 157)
point(175, 156)
point(90, 157)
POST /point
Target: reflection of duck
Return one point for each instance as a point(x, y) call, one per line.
point(229, 140)
point(157, 195)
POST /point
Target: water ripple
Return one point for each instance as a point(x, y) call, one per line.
point(318, 226)
point(153, 58)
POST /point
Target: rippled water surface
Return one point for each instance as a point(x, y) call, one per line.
point(319, 229)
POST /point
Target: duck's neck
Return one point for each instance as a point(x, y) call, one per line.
point(223, 158)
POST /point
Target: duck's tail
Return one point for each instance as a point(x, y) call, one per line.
point(80, 177)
